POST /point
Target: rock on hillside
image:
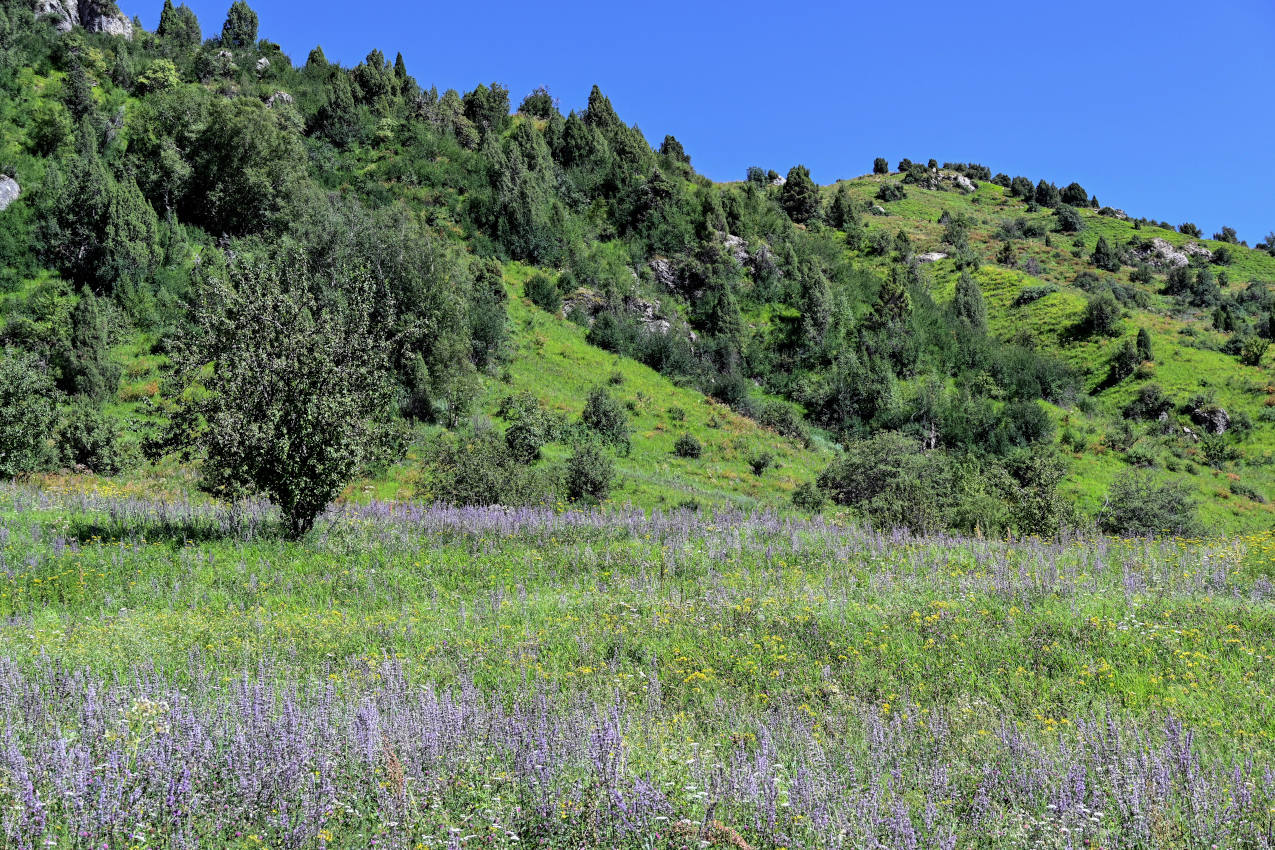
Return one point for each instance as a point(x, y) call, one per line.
point(9, 191)
point(93, 15)
point(1161, 254)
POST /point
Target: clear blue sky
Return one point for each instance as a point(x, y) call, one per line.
point(1166, 109)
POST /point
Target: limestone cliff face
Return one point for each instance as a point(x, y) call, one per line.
point(93, 15)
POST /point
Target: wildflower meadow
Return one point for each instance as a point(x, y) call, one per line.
point(412, 676)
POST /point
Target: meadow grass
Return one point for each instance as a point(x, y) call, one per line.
point(676, 677)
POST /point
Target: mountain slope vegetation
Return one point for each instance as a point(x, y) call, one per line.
point(551, 308)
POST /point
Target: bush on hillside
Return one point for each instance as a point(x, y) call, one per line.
point(1139, 505)
point(688, 446)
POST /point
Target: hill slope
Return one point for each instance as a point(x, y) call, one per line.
point(1053, 364)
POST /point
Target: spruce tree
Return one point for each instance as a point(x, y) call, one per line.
point(799, 196)
point(968, 305)
point(1144, 345)
point(90, 372)
point(1105, 257)
point(240, 28)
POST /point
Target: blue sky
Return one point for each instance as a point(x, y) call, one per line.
point(1166, 109)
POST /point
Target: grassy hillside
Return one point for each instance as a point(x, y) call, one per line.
point(1186, 346)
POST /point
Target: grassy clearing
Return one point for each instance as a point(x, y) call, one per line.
point(784, 645)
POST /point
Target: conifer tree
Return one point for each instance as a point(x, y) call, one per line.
point(90, 372)
point(968, 305)
point(240, 28)
point(799, 196)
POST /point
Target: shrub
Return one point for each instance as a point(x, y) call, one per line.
point(542, 292)
point(1252, 349)
point(809, 497)
point(1138, 504)
point(688, 446)
point(1069, 220)
point(1188, 228)
point(1102, 313)
point(590, 473)
point(760, 462)
point(891, 192)
point(89, 439)
point(880, 166)
point(782, 419)
point(677, 414)
point(1028, 294)
point(1150, 403)
point(479, 469)
point(27, 412)
point(606, 417)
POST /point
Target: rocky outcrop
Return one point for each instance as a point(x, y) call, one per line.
point(93, 15)
point(931, 257)
point(1212, 418)
point(664, 273)
point(63, 12)
point(1111, 212)
point(1195, 249)
point(737, 248)
point(263, 65)
point(963, 184)
point(941, 180)
point(279, 97)
point(1161, 254)
point(9, 191)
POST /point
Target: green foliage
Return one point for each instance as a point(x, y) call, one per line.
point(285, 392)
point(760, 462)
point(1188, 228)
point(891, 192)
point(89, 370)
point(880, 166)
point(891, 482)
point(605, 416)
point(1144, 346)
point(179, 25)
point(1075, 195)
point(1068, 219)
point(1047, 194)
point(688, 446)
point(1105, 256)
point(531, 427)
point(590, 473)
point(89, 439)
point(28, 412)
point(538, 104)
point(159, 76)
point(1150, 403)
point(968, 305)
point(1138, 504)
point(1253, 349)
point(98, 231)
point(809, 497)
point(799, 195)
point(544, 293)
point(240, 28)
point(1102, 313)
point(481, 468)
